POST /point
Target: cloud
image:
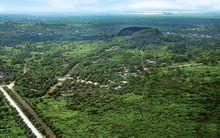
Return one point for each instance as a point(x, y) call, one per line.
point(133, 5)
point(69, 5)
point(110, 5)
point(2, 9)
point(196, 5)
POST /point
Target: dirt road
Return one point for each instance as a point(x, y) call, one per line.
point(21, 114)
point(48, 131)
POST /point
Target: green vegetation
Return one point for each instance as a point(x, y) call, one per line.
point(11, 124)
point(169, 103)
point(45, 65)
point(101, 77)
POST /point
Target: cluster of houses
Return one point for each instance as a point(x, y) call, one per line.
point(4, 74)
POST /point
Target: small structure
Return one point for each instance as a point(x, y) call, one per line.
point(96, 83)
point(145, 69)
point(151, 61)
point(118, 88)
point(124, 82)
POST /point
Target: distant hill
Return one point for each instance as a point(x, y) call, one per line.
point(131, 30)
point(141, 36)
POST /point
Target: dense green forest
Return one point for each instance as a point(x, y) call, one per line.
point(115, 76)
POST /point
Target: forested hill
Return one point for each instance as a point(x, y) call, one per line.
point(131, 30)
point(139, 37)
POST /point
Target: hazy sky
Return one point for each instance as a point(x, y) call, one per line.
point(108, 6)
